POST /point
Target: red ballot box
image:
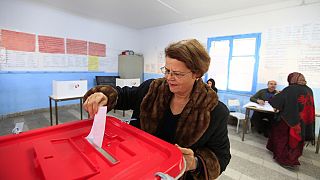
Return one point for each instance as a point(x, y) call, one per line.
point(62, 152)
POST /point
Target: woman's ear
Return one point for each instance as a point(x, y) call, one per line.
point(196, 75)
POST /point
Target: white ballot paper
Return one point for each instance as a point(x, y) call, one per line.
point(265, 107)
point(97, 130)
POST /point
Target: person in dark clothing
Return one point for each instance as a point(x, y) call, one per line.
point(260, 120)
point(179, 108)
point(296, 123)
point(212, 84)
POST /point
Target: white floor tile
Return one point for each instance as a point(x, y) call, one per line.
point(316, 163)
point(234, 174)
point(305, 177)
point(245, 177)
point(278, 168)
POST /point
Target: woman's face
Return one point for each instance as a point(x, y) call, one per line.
point(209, 83)
point(179, 77)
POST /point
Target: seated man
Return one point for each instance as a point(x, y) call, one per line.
point(260, 120)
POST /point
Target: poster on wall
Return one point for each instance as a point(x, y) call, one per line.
point(93, 64)
point(21, 51)
point(292, 48)
point(161, 61)
point(3, 55)
point(110, 62)
point(21, 60)
point(77, 62)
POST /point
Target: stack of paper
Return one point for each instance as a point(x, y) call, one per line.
point(266, 106)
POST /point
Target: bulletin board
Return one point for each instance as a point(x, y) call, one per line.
point(20, 51)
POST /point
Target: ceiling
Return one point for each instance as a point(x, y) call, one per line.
point(140, 14)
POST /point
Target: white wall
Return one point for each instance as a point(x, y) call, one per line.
point(245, 21)
point(27, 16)
point(253, 20)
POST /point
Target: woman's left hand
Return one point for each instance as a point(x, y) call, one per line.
point(189, 157)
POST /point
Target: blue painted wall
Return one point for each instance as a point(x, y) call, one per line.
point(147, 76)
point(23, 91)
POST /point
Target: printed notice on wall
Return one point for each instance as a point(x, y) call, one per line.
point(161, 61)
point(77, 47)
point(18, 41)
point(97, 49)
point(20, 51)
point(110, 62)
point(93, 64)
point(3, 55)
point(51, 44)
point(77, 62)
point(291, 48)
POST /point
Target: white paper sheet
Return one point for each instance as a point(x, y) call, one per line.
point(18, 128)
point(266, 106)
point(97, 130)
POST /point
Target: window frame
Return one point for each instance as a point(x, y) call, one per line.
point(257, 36)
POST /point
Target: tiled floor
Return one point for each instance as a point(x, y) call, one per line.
point(250, 159)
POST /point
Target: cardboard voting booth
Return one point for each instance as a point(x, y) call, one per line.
point(66, 89)
point(62, 152)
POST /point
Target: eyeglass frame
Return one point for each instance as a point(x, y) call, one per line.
point(178, 74)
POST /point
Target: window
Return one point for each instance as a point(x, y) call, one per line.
point(234, 62)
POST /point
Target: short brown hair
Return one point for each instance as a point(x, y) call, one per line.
point(192, 53)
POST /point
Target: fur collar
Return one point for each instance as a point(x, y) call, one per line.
point(194, 119)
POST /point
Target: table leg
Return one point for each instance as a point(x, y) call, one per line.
point(245, 123)
point(56, 109)
point(50, 110)
point(81, 108)
point(318, 142)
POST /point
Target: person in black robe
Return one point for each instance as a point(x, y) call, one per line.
point(295, 123)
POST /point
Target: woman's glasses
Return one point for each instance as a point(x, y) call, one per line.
point(176, 74)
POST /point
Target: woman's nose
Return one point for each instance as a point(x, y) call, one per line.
point(170, 75)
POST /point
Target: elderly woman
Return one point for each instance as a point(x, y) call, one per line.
point(179, 108)
point(296, 121)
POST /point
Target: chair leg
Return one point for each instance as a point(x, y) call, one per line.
point(249, 124)
point(238, 126)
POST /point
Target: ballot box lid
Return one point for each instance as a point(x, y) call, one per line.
point(62, 152)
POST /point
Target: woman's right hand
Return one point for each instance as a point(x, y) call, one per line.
point(93, 102)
